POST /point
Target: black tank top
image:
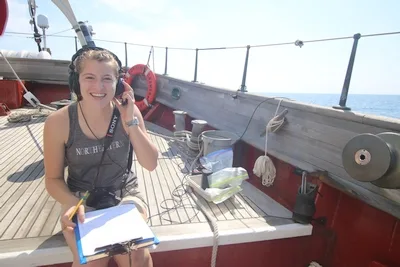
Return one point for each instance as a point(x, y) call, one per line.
point(83, 156)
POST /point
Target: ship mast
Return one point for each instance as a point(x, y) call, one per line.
point(32, 12)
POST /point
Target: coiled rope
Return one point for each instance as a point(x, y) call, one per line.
point(264, 167)
point(24, 116)
point(314, 264)
point(186, 135)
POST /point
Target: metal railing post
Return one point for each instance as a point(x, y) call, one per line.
point(243, 86)
point(76, 44)
point(166, 60)
point(195, 66)
point(346, 85)
point(126, 55)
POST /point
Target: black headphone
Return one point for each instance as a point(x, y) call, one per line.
point(73, 79)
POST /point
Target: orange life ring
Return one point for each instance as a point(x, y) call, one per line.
point(141, 69)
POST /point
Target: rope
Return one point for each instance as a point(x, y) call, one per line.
point(185, 137)
point(24, 116)
point(214, 227)
point(28, 95)
point(264, 167)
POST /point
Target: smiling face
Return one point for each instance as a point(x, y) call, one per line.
point(98, 72)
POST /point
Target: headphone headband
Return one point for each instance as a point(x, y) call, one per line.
point(74, 76)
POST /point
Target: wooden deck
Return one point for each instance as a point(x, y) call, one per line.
point(29, 217)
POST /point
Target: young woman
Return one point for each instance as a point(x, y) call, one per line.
point(74, 137)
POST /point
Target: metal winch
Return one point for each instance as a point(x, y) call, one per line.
point(374, 158)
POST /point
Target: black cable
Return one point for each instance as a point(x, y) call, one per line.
point(125, 183)
point(179, 204)
point(254, 112)
point(177, 191)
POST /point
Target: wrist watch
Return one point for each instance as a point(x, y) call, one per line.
point(133, 122)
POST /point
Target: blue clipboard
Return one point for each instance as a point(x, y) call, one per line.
point(106, 253)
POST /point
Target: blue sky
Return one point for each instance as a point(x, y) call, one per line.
point(314, 68)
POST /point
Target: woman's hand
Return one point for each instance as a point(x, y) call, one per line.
point(66, 223)
point(126, 111)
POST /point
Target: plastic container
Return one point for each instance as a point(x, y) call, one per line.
point(214, 140)
point(11, 93)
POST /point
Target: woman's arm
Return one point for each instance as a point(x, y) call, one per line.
point(54, 136)
point(145, 151)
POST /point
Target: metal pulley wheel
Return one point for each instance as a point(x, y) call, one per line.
point(373, 158)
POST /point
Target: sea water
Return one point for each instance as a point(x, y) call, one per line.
point(382, 105)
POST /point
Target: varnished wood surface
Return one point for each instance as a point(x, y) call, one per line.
point(312, 138)
point(29, 217)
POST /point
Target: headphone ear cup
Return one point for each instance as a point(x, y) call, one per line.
point(74, 83)
point(120, 87)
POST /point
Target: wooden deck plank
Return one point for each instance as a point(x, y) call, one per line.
point(151, 195)
point(14, 155)
point(158, 193)
point(8, 130)
point(16, 203)
point(182, 169)
point(24, 216)
point(23, 172)
point(18, 198)
point(172, 205)
point(255, 210)
point(32, 215)
point(14, 140)
point(14, 167)
point(41, 219)
point(176, 177)
point(21, 176)
point(177, 203)
point(165, 189)
point(184, 165)
point(231, 207)
point(29, 217)
point(168, 212)
point(169, 205)
point(52, 220)
point(247, 207)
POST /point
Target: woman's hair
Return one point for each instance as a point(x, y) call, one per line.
point(98, 55)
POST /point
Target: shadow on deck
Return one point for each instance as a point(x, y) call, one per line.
point(30, 232)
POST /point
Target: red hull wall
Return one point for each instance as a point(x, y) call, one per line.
point(274, 253)
point(48, 93)
point(355, 235)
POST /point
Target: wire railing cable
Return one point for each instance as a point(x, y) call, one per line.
point(227, 47)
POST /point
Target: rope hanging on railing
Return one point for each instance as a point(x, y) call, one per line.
point(264, 167)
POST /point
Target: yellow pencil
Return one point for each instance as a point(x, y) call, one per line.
point(79, 203)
